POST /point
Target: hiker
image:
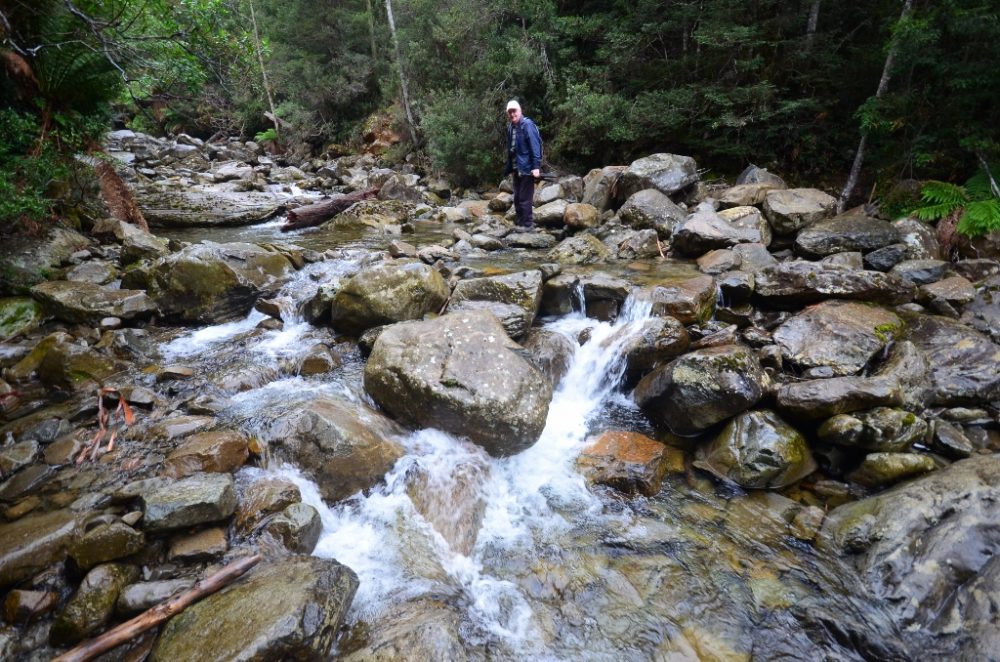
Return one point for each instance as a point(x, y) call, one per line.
point(524, 159)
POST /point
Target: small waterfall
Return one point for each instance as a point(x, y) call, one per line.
point(401, 549)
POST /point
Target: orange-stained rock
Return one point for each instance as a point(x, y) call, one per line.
point(629, 462)
point(218, 451)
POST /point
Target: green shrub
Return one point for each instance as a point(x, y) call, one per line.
point(464, 136)
point(978, 207)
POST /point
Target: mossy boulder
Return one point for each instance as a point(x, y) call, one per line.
point(88, 303)
point(92, 604)
point(18, 315)
point(388, 292)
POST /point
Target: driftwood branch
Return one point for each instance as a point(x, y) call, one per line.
point(161, 613)
point(319, 212)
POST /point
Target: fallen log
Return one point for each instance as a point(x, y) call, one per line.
point(161, 613)
point(319, 212)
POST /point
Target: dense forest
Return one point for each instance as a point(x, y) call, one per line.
point(793, 86)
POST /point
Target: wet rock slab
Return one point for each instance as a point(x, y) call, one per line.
point(628, 462)
point(798, 283)
point(194, 206)
point(963, 362)
point(289, 609)
point(89, 303)
point(200, 499)
point(849, 232)
point(31, 544)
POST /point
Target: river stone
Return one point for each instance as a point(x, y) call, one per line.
point(946, 296)
point(551, 214)
point(848, 232)
point(462, 374)
point(883, 469)
point(532, 240)
point(977, 269)
point(179, 426)
point(754, 257)
point(137, 244)
point(199, 499)
point(702, 388)
point(790, 209)
point(885, 258)
point(501, 202)
point(882, 429)
point(92, 604)
point(218, 451)
point(705, 230)
point(603, 295)
point(75, 367)
point(31, 544)
point(579, 249)
point(599, 187)
point(485, 242)
point(135, 598)
point(758, 450)
point(202, 545)
point(88, 303)
point(297, 527)
point(651, 209)
point(908, 365)
point(798, 283)
point(97, 272)
point(22, 607)
point(28, 260)
point(15, 457)
point(205, 206)
point(628, 462)
point(580, 216)
point(25, 482)
point(963, 362)
point(647, 344)
point(822, 398)
point(105, 542)
point(344, 446)
point(949, 440)
point(398, 187)
point(388, 292)
point(983, 312)
point(261, 498)
point(513, 298)
point(921, 272)
point(690, 300)
point(639, 245)
point(719, 261)
point(920, 238)
point(842, 335)
point(18, 315)
point(319, 360)
point(291, 609)
point(551, 352)
point(667, 173)
point(208, 282)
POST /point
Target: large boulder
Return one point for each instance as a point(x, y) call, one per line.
point(758, 450)
point(849, 232)
point(388, 292)
point(963, 362)
point(651, 209)
point(599, 187)
point(579, 249)
point(552, 352)
point(790, 209)
point(344, 446)
point(87, 303)
point(817, 399)
point(580, 216)
point(928, 551)
point(705, 230)
point(746, 194)
point(840, 335)
point(551, 214)
point(460, 373)
point(286, 610)
point(667, 173)
point(689, 299)
point(798, 283)
point(202, 205)
point(697, 390)
point(513, 298)
point(209, 282)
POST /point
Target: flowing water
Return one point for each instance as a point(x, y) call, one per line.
point(461, 555)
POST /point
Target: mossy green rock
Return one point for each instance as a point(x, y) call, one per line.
point(31, 544)
point(106, 542)
point(694, 392)
point(388, 292)
point(287, 610)
point(74, 367)
point(210, 282)
point(758, 449)
point(881, 469)
point(92, 604)
point(881, 429)
point(17, 315)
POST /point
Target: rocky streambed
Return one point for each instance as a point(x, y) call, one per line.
point(679, 421)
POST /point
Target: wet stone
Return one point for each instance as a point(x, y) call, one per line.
point(92, 604)
point(881, 429)
point(790, 209)
point(179, 426)
point(579, 249)
point(628, 462)
point(656, 341)
point(200, 546)
point(16, 457)
point(172, 372)
point(25, 482)
point(551, 352)
point(921, 272)
point(849, 232)
point(106, 542)
point(136, 598)
point(719, 261)
point(218, 451)
point(262, 498)
point(962, 361)
point(946, 296)
point(807, 523)
point(199, 499)
point(513, 298)
point(949, 440)
point(887, 257)
point(297, 527)
point(823, 398)
point(87, 303)
point(689, 300)
point(881, 469)
point(23, 606)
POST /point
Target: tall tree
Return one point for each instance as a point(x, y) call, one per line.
point(411, 125)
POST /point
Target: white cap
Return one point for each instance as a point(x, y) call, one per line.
point(513, 104)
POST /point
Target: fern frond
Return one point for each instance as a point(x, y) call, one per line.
point(978, 186)
point(937, 193)
point(934, 212)
point(980, 217)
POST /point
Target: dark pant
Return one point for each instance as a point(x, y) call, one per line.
point(524, 193)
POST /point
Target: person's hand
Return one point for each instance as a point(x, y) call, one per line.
point(536, 173)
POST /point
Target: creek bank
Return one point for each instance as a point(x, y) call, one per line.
point(803, 377)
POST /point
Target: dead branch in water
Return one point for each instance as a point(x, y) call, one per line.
point(106, 419)
point(318, 213)
point(161, 613)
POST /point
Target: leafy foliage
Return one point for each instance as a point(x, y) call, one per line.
point(977, 206)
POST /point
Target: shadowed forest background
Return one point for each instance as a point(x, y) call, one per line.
point(792, 86)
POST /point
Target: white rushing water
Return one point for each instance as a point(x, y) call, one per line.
point(397, 548)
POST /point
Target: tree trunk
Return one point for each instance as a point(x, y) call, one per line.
point(263, 70)
point(402, 76)
point(371, 29)
point(812, 24)
point(883, 83)
point(319, 212)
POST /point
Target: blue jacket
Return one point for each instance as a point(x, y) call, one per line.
point(524, 147)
